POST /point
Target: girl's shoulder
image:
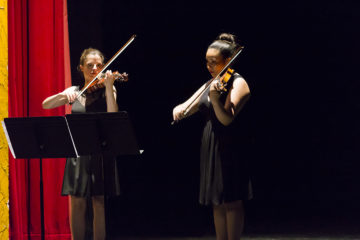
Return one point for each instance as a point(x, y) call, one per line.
point(237, 75)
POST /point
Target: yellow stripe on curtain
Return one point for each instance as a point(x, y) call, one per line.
point(4, 157)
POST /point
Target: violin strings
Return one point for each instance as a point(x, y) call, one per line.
point(107, 64)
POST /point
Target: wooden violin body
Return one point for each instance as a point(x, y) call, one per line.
point(224, 79)
point(100, 81)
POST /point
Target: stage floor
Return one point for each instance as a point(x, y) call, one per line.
point(334, 231)
point(284, 237)
point(344, 226)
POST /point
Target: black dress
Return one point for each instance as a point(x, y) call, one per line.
point(224, 156)
point(83, 176)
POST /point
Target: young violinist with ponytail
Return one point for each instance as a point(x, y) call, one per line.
point(224, 174)
point(83, 177)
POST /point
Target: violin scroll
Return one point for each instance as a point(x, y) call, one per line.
point(121, 77)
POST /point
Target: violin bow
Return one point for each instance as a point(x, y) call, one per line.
point(236, 54)
point(107, 64)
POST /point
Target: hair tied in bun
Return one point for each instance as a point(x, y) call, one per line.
point(226, 43)
point(227, 37)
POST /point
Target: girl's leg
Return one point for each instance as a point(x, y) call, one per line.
point(77, 217)
point(220, 222)
point(234, 219)
point(99, 217)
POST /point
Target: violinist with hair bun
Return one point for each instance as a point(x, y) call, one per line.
point(83, 177)
point(225, 146)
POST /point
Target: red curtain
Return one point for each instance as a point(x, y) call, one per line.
point(38, 67)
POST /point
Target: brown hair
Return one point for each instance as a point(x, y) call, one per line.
point(226, 43)
point(87, 52)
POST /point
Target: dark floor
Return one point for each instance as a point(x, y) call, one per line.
point(314, 228)
point(132, 219)
point(255, 237)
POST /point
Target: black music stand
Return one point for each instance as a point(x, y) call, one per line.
point(108, 134)
point(39, 137)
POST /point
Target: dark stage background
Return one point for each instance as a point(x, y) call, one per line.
point(300, 59)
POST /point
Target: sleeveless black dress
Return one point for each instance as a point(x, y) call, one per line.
point(83, 176)
point(224, 156)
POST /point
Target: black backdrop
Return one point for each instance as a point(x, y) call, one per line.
point(299, 60)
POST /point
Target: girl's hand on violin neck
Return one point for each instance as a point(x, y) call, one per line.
point(178, 112)
point(70, 94)
point(109, 79)
point(215, 90)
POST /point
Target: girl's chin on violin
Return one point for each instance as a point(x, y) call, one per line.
point(213, 74)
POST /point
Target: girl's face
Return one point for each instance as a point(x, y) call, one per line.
point(215, 62)
point(92, 66)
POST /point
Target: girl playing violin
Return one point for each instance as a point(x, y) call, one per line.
point(224, 178)
point(83, 177)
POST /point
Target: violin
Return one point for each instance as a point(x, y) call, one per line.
point(224, 75)
point(97, 79)
point(100, 81)
point(224, 79)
